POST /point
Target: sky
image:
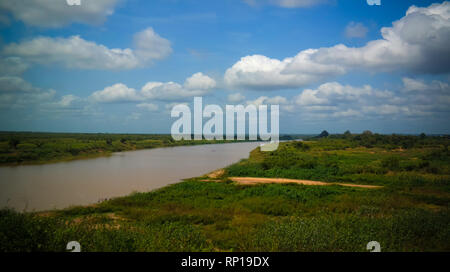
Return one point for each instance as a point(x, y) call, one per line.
point(119, 66)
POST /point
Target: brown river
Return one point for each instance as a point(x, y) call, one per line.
point(83, 182)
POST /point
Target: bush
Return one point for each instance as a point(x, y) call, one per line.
point(391, 163)
point(301, 146)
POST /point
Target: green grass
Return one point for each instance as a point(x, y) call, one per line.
point(38, 148)
point(410, 213)
point(203, 216)
point(316, 160)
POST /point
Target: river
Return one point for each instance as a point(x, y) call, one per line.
point(83, 182)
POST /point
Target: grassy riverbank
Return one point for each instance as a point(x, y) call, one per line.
point(37, 148)
point(211, 213)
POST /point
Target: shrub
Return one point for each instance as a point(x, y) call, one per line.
point(391, 163)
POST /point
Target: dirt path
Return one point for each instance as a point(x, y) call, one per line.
point(252, 181)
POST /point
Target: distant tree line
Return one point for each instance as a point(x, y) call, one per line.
point(369, 139)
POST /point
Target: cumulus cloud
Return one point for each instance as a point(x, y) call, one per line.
point(334, 100)
point(163, 91)
point(68, 101)
point(150, 46)
point(196, 85)
point(199, 81)
point(417, 43)
point(56, 13)
point(116, 93)
point(356, 30)
point(334, 92)
point(75, 52)
point(261, 72)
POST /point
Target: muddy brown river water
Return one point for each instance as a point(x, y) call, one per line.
point(82, 182)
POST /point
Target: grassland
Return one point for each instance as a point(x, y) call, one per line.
point(212, 213)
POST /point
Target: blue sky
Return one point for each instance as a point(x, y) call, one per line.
point(119, 65)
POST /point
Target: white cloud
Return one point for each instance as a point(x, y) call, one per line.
point(56, 13)
point(258, 101)
point(168, 91)
point(356, 30)
point(196, 85)
point(333, 92)
point(277, 100)
point(333, 100)
point(347, 113)
point(411, 84)
point(284, 104)
point(199, 81)
point(264, 100)
point(148, 106)
point(12, 66)
point(309, 97)
point(163, 91)
point(68, 101)
point(417, 43)
point(150, 46)
point(75, 52)
point(169, 106)
point(235, 98)
point(116, 93)
point(385, 109)
point(261, 72)
point(16, 93)
point(15, 84)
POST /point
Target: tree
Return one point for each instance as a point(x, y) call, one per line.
point(367, 132)
point(109, 141)
point(324, 134)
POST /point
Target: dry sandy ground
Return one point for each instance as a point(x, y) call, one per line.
point(252, 181)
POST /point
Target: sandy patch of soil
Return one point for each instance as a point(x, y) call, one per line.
point(216, 174)
point(253, 181)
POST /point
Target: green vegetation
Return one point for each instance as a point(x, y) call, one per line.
point(397, 161)
point(410, 213)
point(35, 148)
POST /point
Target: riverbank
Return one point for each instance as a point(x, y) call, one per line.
point(410, 212)
point(222, 216)
point(32, 148)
